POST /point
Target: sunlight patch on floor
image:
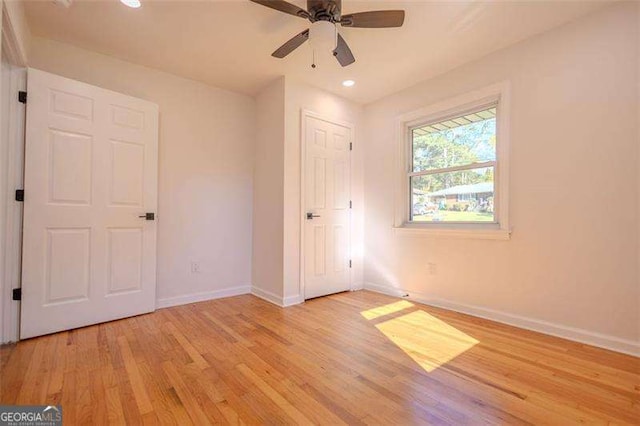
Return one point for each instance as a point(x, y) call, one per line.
point(381, 311)
point(429, 341)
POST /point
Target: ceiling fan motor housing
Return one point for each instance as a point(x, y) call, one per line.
point(325, 10)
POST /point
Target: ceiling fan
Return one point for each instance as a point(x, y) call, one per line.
point(324, 16)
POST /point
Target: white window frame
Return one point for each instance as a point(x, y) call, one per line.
point(500, 228)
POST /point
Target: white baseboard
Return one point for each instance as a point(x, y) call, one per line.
point(390, 291)
point(201, 297)
point(293, 300)
point(357, 286)
point(283, 302)
point(267, 295)
point(570, 333)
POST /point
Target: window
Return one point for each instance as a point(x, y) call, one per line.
point(453, 166)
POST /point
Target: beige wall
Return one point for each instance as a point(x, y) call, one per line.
point(268, 195)
point(298, 97)
point(571, 266)
point(205, 169)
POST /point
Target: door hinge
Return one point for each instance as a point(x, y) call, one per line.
point(350, 146)
point(22, 97)
point(19, 194)
point(17, 294)
point(350, 204)
point(349, 263)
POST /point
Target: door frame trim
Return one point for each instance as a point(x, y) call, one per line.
point(13, 164)
point(304, 114)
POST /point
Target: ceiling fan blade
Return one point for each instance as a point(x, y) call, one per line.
point(374, 19)
point(343, 53)
point(285, 7)
point(291, 45)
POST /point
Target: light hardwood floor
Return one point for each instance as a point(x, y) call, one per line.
point(354, 358)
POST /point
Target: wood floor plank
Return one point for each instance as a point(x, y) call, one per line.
point(350, 358)
point(276, 397)
point(115, 414)
point(188, 347)
point(186, 395)
point(139, 390)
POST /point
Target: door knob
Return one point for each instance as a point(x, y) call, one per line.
point(148, 216)
point(310, 216)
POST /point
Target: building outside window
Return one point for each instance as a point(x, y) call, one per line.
point(453, 168)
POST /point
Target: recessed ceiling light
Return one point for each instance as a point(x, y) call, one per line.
point(348, 83)
point(131, 3)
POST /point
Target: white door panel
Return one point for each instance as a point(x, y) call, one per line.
point(327, 198)
point(90, 172)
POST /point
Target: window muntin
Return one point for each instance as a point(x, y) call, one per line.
point(453, 168)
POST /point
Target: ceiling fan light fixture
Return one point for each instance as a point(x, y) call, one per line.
point(323, 35)
point(325, 16)
point(131, 3)
point(63, 3)
point(348, 83)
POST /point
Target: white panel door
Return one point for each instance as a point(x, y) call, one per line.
point(90, 171)
point(327, 207)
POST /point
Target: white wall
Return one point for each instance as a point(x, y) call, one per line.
point(571, 266)
point(213, 145)
point(19, 31)
point(299, 96)
point(268, 195)
point(277, 215)
point(205, 170)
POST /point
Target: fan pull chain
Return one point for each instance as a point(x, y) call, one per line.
point(313, 61)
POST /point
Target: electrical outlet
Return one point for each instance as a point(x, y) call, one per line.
point(195, 267)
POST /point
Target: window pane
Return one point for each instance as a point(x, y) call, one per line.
point(462, 196)
point(455, 142)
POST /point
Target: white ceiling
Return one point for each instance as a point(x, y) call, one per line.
point(228, 43)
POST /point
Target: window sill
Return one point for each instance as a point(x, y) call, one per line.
point(476, 233)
